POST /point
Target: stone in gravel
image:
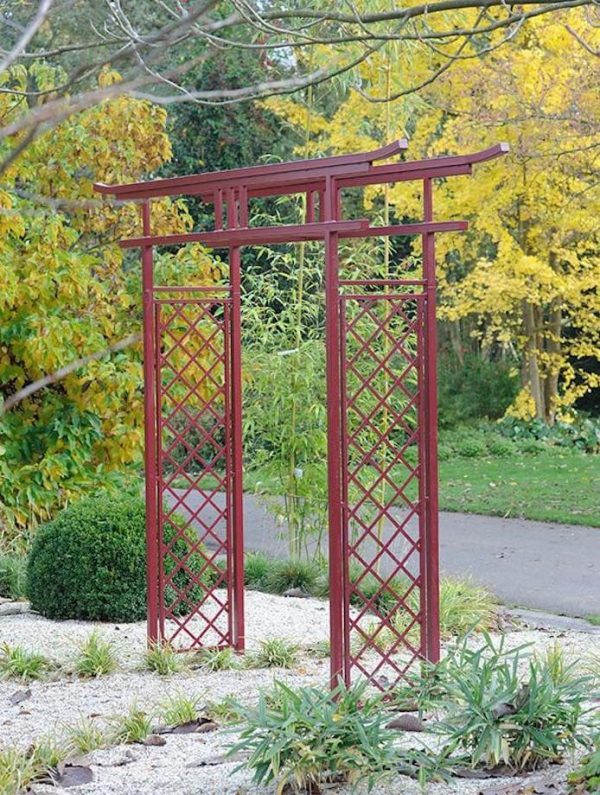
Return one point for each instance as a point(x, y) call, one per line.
point(13, 608)
point(297, 593)
point(217, 760)
point(18, 696)
point(191, 727)
point(72, 776)
point(407, 723)
point(154, 739)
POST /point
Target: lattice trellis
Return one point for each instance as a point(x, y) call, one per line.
point(381, 348)
point(194, 466)
point(381, 477)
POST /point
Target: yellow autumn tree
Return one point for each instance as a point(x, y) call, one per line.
point(527, 270)
point(70, 294)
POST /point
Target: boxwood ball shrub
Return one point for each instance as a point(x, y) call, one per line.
point(90, 562)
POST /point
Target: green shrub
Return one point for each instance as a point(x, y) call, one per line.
point(285, 574)
point(90, 562)
point(256, 568)
point(500, 447)
point(471, 447)
point(13, 576)
point(476, 389)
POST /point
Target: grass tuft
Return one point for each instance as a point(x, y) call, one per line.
point(18, 663)
point(96, 657)
point(86, 736)
point(274, 653)
point(256, 568)
point(226, 711)
point(465, 606)
point(178, 709)
point(133, 727)
point(164, 660)
point(286, 574)
point(218, 659)
point(13, 576)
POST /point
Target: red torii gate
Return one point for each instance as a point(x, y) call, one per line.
point(210, 611)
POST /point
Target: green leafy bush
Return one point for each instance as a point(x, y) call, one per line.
point(583, 433)
point(471, 447)
point(90, 562)
point(476, 389)
point(285, 574)
point(307, 738)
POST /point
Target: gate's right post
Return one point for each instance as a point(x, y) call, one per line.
point(150, 433)
point(337, 547)
point(236, 539)
point(431, 531)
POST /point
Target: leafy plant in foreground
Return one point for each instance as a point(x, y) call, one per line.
point(312, 738)
point(497, 717)
point(586, 778)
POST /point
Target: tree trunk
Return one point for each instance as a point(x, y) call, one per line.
point(553, 348)
point(456, 341)
point(532, 370)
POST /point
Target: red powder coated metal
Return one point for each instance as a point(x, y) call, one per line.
point(381, 343)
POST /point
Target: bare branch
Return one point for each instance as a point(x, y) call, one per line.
point(63, 372)
point(29, 32)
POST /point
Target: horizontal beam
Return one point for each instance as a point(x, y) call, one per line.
point(255, 235)
point(410, 229)
point(293, 233)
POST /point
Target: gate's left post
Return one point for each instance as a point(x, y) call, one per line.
point(150, 440)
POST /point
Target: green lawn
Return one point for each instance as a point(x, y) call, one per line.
point(546, 486)
point(550, 486)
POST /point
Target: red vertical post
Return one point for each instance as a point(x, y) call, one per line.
point(431, 534)
point(150, 440)
point(237, 535)
point(334, 488)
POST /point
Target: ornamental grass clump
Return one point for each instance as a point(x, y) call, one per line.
point(305, 739)
point(96, 657)
point(18, 663)
point(274, 653)
point(162, 659)
point(496, 715)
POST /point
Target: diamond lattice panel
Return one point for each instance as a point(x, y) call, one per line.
point(194, 472)
point(381, 479)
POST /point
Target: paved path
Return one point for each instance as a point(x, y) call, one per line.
point(530, 564)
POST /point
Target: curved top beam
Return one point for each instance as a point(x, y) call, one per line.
point(258, 176)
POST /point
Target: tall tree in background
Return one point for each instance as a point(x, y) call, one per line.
point(71, 414)
point(526, 272)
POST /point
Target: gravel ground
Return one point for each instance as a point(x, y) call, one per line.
point(189, 764)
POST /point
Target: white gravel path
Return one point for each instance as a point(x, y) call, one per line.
point(177, 768)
